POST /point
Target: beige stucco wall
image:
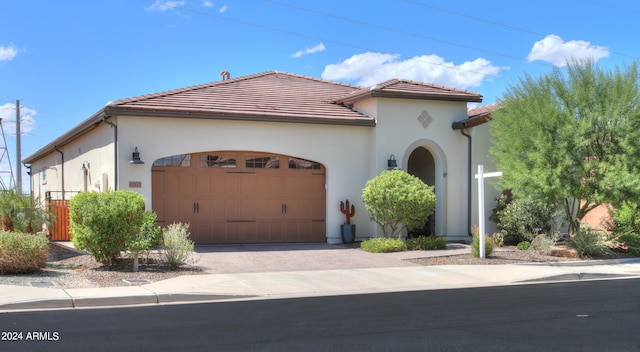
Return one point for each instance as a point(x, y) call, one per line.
point(93, 149)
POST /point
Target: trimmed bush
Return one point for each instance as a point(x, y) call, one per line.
point(524, 245)
point(396, 200)
point(426, 243)
point(103, 223)
point(177, 245)
point(22, 253)
point(383, 245)
point(475, 245)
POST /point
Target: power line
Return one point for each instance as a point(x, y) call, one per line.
point(421, 36)
point(499, 24)
point(247, 23)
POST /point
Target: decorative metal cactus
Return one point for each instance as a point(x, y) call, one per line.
point(348, 213)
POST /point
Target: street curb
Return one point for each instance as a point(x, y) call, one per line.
point(586, 262)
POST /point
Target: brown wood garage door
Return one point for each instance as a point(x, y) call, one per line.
point(241, 197)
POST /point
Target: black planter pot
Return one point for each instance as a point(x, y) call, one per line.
point(348, 233)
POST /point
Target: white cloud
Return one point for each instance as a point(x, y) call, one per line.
point(8, 115)
point(371, 68)
point(7, 53)
point(315, 49)
point(207, 4)
point(164, 5)
point(558, 52)
point(223, 9)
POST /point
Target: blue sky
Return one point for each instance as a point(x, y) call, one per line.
point(64, 60)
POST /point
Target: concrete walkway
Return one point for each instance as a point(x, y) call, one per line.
point(255, 273)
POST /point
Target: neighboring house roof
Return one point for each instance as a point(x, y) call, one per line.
point(476, 116)
point(407, 89)
point(268, 96)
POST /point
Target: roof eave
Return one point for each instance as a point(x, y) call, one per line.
point(399, 95)
point(367, 122)
point(92, 122)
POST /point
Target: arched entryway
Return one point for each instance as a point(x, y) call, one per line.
point(241, 196)
point(422, 165)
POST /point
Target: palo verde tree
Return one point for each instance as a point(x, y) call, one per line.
point(571, 137)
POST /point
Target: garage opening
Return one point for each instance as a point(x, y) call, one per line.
point(241, 196)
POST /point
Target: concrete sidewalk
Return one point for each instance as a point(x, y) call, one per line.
point(309, 283)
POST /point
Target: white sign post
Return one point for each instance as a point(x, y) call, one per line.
point(481, 176)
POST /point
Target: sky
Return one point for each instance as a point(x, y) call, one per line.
point(64, 60)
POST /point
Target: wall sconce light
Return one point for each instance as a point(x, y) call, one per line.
point(135, 159)
point(391, 163)
point(85, 166)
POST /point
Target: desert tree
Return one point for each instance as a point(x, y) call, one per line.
point(571, 137)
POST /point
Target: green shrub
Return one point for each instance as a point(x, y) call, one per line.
point(631, 242)
point(22, 253)
point(523, 245)
point(426, 243)
point(177, 245)
point(383, 245)
point(103, 223)
point(589, 243)
point(525, 218)
point(475, 245)
point(397, 200)
point(626, 219)
point(147, 237)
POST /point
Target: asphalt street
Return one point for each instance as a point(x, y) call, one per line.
point(574, 316)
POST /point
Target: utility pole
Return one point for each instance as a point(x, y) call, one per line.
point(18, 151)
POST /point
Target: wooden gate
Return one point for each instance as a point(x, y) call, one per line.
point(59, 210)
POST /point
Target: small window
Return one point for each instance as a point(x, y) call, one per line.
point(181, 160)
point(296, 163)
point(217, 161)
point(272, 162)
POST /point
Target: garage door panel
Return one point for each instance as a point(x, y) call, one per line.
point(298, 209)
point(186, 209)
point(268, 209)
point(185, 184)
point(249, 232)
point(247, 185)
point(217, 185)
point(231, 185)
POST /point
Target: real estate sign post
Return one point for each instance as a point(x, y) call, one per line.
point(481, 176)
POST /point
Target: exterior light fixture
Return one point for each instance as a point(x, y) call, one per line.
point(391, 163)
point(85, 166)
point(135, 159)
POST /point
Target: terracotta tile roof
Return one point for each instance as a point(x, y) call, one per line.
point(266, 96)
point(482, 110)
point(476, 116)
point(402, 88)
